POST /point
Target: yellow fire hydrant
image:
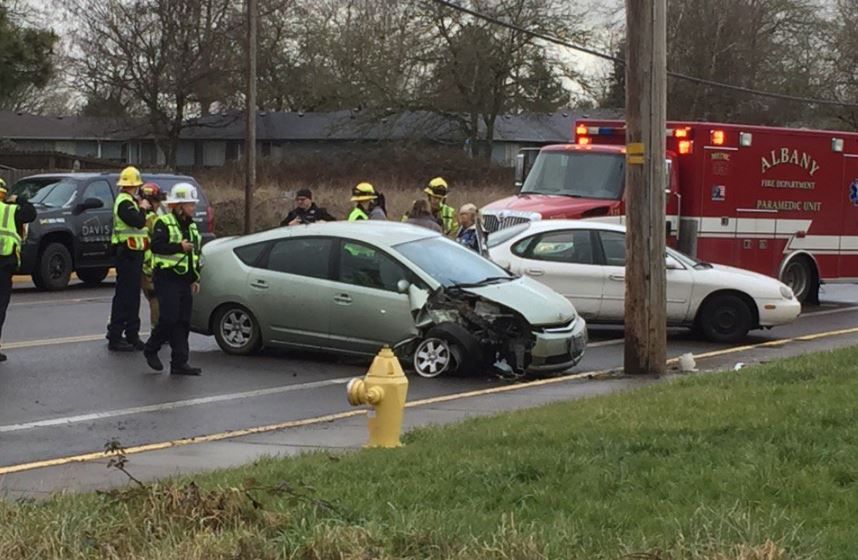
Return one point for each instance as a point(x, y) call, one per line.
point(384, 388)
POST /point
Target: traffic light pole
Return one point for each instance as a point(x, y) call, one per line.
point(646, 105)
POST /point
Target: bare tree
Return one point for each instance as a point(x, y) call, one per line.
point(159, 59)
point(841, 61)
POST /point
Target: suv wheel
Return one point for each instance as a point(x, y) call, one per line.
point(54, 268)
point(92, 276)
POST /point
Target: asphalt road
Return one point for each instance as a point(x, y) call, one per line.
point(62, 393)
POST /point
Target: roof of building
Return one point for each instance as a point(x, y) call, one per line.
point(299, 126)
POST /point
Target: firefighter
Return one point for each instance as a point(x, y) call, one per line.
point(130, 240)
point(13, 215)
point(176, 246)
point(364, 197)
point(153, 193)
point(436, 193)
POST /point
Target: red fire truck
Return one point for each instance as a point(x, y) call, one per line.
point(783, 202)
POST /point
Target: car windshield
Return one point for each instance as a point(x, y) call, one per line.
point(451, 264)
point(577, 174)
point(27, 188)
point(688, 260)
point(57, 195)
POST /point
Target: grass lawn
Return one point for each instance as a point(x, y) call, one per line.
point(756, 464)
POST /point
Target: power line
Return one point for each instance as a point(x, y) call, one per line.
point(676, 75)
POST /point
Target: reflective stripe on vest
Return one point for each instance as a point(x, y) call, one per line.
point(148, 256)
point(10, 239)
point(135, 238)
point(179, 262)
point(358, 214)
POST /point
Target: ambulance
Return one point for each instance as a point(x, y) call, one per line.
point(782, 202)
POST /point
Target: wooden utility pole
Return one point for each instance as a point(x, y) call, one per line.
point(646, 105)
point(250, 124)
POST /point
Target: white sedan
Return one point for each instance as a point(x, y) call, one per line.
point(585, 262)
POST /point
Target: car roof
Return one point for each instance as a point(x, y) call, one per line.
point(376, 232)
point(549, 225)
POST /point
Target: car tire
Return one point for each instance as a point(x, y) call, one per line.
point(54, 268)
point(725, 318)
point(448, 342)
point(92, 276)
point(236, 330)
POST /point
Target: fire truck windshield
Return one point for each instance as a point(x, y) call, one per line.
point(577, 174)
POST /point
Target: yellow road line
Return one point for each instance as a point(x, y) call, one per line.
point(56, 341)
point(360, 412)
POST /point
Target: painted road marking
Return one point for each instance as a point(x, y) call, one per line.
point(360, 412)
point(170, 405)
point(26, 279)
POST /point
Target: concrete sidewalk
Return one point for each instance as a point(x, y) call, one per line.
point(336, 436)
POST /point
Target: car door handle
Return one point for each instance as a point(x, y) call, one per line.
point(534, 271)
point(343, 298)
point(617, 277)
point(260, 284)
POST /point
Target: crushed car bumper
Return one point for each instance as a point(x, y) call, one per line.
point(557, 349)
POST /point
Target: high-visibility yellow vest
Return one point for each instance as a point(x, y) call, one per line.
point(135, 239)
point(179, 262)
point(10, 239)
point(448, 219)
point(151, 218)
point(358, 214)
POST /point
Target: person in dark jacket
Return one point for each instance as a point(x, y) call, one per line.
point(176, 246)
point(421, 215)
point(467, 234)
point(306, 211)
point(13, 215)
point(130, 238)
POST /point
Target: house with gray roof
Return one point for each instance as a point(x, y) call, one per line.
point(216, 140)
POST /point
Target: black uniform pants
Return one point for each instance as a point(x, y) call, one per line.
point(5, 293)
point(174, 323)
point(125, 311)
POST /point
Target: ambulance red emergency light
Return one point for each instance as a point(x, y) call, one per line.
point(782, 202)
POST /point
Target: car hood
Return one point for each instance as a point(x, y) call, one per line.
point(753, 283)
point(537, 303)
point(551, 206)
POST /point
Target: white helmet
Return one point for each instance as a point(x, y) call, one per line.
point(182, 192)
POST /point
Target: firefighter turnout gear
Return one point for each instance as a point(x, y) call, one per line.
point(154, 195)
point(385, 388)
point(176, 246)
point(13, 216)
point(130, 238)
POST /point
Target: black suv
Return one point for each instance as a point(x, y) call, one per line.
point(74, 220)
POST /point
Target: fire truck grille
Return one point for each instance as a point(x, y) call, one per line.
point(492, 223)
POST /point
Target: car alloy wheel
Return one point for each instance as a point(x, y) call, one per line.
point(433, 357)
point(236, 328)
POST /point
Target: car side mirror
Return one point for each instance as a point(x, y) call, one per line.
point(402, 286)
point(88, 204)
point(671, 264)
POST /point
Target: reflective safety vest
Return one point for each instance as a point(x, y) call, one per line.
point(10, 239)
point(136, 239)
point(447, 216)
point(358, 214)
point(179, 262)
point(151, 218)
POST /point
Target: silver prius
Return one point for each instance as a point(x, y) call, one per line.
point(353, 287)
